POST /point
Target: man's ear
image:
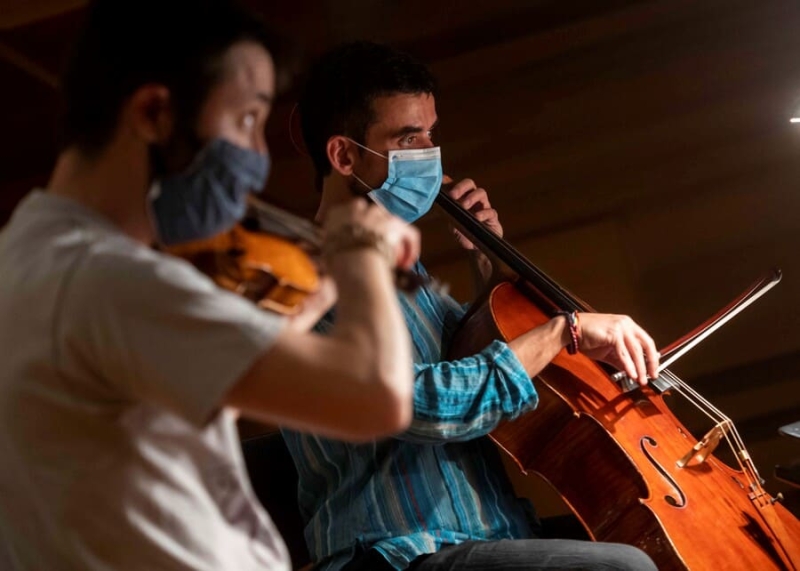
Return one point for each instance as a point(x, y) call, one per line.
point(148, 113)
point(341, 154)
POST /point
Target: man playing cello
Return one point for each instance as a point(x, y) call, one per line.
point(434, 497)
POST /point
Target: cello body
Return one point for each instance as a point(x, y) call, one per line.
point(612, 455)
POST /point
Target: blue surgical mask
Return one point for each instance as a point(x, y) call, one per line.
point(412, 182)
point(210, 196)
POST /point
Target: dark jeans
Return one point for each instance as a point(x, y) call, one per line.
point(519, 555)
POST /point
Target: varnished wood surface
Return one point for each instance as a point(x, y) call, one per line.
point(613, 456)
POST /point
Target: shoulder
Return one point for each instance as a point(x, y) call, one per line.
point(118, 282)
point(121, 264)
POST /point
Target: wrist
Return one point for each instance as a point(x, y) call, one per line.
point(356, 264)
point(570, 336)
point(350, 238)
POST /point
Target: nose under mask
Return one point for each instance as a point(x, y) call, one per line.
point(413, 180)
point(210, 196)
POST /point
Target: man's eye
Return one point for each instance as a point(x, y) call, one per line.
point(249, 121)
point(410, 140)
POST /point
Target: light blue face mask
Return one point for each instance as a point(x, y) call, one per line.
point(210, 196)
point(412, 182)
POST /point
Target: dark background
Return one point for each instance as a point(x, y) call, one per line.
point(640, 152)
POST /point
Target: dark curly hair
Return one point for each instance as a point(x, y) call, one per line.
point(128, 43)
point(341, 86)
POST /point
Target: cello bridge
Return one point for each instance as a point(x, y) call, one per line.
point(705, 446)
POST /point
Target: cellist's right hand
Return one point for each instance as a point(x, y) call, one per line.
point(397, 241)
point(619, 341)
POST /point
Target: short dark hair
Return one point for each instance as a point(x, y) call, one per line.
point(126, 44)
point(341, 86)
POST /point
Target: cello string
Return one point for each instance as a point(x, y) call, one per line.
point(737, 446)
point(566, 301)
point(738, 449)
point(509, 255)
point(742, 460)
point(697, 399)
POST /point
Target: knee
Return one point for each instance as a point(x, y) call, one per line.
point(629, 558)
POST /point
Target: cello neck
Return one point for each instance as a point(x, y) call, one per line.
point(491, 243)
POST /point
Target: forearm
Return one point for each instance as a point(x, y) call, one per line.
point(467, 398)
point(537, 347)
point(353, 384)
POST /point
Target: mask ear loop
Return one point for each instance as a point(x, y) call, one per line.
point(294, 127)
point(364, 184)
point(355, 176)
point(356, 143)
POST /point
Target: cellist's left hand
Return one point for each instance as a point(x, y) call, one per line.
point(473, 198)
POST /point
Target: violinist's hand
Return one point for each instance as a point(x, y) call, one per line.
point(619, 341)
point(314, 307)
point(474, 199)
point(401, 239)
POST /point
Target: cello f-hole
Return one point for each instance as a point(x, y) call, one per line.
point(650, 441)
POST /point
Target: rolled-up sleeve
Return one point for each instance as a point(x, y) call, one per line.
point(467, 398)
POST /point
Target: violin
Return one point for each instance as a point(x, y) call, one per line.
point(615, 452)
point(271, 258)
point(272, 272)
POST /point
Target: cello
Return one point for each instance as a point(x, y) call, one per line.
point(617, 455)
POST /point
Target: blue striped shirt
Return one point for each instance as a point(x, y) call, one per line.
point(439, 483)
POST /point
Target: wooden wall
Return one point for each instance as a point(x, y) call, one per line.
point(639, 152)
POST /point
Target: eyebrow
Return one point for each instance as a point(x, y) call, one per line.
point(411, 129)
point(265, 97)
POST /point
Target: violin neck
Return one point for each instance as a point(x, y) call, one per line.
point(498, 247)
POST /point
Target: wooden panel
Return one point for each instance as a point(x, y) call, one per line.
point(639, 151)
point(17, 13)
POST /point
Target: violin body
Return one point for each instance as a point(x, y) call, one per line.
point(612, 456)
point(269, 270)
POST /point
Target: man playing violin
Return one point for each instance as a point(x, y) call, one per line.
point(436, 496)
point(124, 366)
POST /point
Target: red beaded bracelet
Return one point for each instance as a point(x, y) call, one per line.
point(572, 323)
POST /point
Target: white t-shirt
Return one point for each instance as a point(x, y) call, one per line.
point(114, 452)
